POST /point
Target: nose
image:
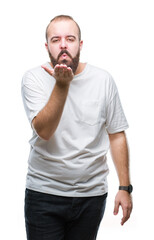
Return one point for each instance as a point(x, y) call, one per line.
point(63, 44)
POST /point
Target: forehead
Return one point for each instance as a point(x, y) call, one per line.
point(62, 28)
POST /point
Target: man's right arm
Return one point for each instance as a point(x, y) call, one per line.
point(47, 120)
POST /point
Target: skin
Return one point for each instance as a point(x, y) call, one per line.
point(120, 156)
point(62, 35)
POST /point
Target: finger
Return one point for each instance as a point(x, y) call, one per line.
point(126, 216)
point(69, 69)
point(116, 208)
point(50, 71)
point(65, 71)
point(61, 70)
point(70, 72)
point(61, 66)
point(56, 69)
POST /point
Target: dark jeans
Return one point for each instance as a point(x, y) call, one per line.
point(50, 217)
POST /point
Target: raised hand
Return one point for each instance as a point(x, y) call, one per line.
point(61, 73)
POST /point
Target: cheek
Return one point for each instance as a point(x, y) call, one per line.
point(74, 50)
point(53, 51)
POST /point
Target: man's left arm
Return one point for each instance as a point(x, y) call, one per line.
point(120, 156)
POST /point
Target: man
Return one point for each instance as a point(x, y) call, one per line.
point(75, 112)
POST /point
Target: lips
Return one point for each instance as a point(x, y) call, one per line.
point(64, 54)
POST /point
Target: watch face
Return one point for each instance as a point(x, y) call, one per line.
point(130, 188)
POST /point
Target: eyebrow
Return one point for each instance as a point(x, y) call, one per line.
point(59, 36)
point(71, 36)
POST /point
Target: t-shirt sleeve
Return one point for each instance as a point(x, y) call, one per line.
point(115, 119)
point(33, 96)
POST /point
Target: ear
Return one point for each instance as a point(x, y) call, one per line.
point(81, 45)
point(46, 46)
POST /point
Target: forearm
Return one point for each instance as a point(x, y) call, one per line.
point(120, 156)
point(47, 120)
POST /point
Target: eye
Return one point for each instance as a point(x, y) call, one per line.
point(54, 40)
point(70, 39)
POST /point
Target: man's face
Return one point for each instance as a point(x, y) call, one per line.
point(63, 43)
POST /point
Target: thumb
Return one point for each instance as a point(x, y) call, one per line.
point(50, 71)
point(116, 208)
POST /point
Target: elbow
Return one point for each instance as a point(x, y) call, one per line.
point(41, 132)
point(43, 135)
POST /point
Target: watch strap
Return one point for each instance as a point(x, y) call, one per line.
point(129, 188)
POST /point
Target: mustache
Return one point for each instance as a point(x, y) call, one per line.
point(62, 52)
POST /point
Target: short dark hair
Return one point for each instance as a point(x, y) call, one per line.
point(62, 17)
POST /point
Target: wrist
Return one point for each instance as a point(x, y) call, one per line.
point(63, 86)
point(128, 188)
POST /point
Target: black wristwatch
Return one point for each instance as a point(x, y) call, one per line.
point(129, 188)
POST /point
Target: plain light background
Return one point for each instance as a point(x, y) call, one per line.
point(118, 37)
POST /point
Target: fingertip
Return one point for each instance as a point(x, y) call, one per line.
point(56, 68)
point(70, 70)
point(122, 223)
point(65, 69)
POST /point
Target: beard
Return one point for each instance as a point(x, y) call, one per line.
point(73, 63)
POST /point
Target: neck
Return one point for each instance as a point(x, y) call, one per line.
point(80, 68)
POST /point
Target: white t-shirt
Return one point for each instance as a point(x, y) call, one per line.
point(73, 162)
